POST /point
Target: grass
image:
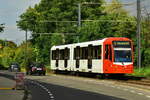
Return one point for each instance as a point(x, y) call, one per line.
point(143, 72)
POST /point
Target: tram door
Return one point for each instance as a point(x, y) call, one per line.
point(66, 57)
point(57, 57)
point(77, 56)
point(90, 49)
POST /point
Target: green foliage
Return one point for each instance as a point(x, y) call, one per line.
point(115, 23)
point(146, 57)
point(53, 16)
point(7, 56)
point(7, 52)
point(143, 72)
point(43, 19)
point(20, 54)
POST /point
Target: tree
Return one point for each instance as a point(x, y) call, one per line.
point(115, 23)
point(20, 54)
point(1, 27)
point(7, 52)
point(145, 42)
point(46, 17)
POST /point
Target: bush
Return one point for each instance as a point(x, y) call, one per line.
point(143, 72)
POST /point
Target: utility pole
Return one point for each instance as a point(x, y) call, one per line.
point(139, 33)
point(79, 14)
point(79, 18)
point(26, 47)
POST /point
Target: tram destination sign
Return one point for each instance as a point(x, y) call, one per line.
point(122, 44)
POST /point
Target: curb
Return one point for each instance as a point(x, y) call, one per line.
point(27, 94)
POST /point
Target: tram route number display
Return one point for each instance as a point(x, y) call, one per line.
point(123, 44)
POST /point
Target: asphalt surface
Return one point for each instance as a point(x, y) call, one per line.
point(63, 87)
point(44, 91)
point(6, 84)
point(58, 87)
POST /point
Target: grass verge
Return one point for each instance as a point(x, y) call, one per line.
point(143, 72)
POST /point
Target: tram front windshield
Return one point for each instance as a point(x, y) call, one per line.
point(122, 55)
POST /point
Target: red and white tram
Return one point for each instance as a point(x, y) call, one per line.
point(109, 55)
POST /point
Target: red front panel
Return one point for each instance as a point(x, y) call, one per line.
point(113, 68)
point(108, 65)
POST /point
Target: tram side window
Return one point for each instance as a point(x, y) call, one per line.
point(108, 52)
point(57, 54)
point(97, 52)
point(61, 54)
point(74, 53)
point(67, 53)
point(84, 53)
point(77, 52)
point(53, 54)
point(81, 53)
point(90, 51)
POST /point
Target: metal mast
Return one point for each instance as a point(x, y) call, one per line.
point(139, 33)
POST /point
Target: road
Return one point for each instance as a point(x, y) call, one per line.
point(6, 85)
point(44, 91)
point(60, 87)
point(76, 88)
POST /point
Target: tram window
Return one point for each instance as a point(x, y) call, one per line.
point(77, 52)
point(108, 52)
point(54, 55)
point(57, 54)
point(84, 53)
point(61, 54)
point(97, 52)
point(74, 53)
point(67, 53)
point(81, 53)
point(90, 52)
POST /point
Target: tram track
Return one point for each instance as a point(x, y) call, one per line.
point(145, 82)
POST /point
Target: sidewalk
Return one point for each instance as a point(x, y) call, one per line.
point(6, 92)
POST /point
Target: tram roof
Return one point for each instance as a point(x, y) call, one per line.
point(85, 44)
point(82, 44)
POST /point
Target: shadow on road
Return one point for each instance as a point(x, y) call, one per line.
point(63, 93)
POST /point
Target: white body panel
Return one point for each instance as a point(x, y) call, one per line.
point(97, 64)
point(53, 64)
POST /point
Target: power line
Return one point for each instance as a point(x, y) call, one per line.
point(89, 21)
point(53, 33)
point(56, 21)
point(123, 21)
point(107, 4)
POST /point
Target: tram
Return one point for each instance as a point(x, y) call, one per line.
point(112, 55)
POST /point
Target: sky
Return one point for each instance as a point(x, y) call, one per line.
point(10, 10)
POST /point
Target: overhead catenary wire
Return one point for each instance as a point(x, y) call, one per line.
point(88, 21)
point(107, 4)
